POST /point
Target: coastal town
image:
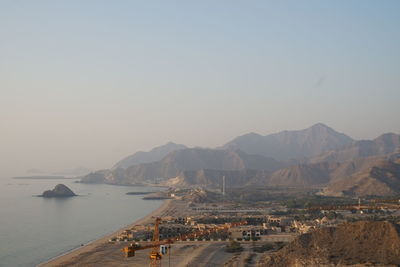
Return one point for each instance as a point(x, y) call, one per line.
point(197, 227)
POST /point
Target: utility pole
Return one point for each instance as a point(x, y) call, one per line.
point(223, 190)
point(223, 186)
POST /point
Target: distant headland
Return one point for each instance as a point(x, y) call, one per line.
point(43, 177)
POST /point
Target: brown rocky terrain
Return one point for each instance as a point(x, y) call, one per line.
point(213, 178)
point(377, 175)
point(385, 144)
point(193, 159)
point(381, 179)
point(363, 243)
point(303, 175)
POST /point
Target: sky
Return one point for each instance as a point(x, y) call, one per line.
point(85, 83)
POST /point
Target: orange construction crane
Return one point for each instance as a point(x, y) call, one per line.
point(155, 255)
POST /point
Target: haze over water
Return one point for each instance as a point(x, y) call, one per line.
point(35, 229)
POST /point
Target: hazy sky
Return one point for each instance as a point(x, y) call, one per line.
point(89, 82)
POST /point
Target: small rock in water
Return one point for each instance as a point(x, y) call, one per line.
point(59, 190)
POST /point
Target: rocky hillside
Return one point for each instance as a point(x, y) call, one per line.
point(381, 179)
point(153, 155)
point(206, 167)
point(348, 244)
point(324, 173)
point(213, 178)
point(384, 144)
point(175, 163)
point(303, 175)
point(288, 145)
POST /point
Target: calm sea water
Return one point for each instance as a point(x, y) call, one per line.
point(35, 229)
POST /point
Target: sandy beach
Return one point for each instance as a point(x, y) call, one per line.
point(72, 257)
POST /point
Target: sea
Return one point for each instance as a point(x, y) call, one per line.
point(35, 229)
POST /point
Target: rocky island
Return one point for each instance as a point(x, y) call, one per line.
point(59, 190)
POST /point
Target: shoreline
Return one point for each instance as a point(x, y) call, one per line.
point(92, 245)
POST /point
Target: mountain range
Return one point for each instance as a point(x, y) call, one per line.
point(288, 145)
point(382, 145)
point(317, 156)
point(176, 162)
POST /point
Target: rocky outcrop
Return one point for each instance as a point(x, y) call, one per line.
point(213, 178)
point(385, 144)
point(59, 190)
point(303, 175)
point(363, 243)
point(380, 179)
point(377, 175)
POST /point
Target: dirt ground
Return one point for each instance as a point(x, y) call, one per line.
point(181, 254)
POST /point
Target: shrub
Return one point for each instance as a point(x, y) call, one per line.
point(233, 247)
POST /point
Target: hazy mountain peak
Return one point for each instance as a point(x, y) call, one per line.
point(170, 143)
point(320, 125)
point(153, 155)
point(387, 137)
point(288, 145)
point(251, 135)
